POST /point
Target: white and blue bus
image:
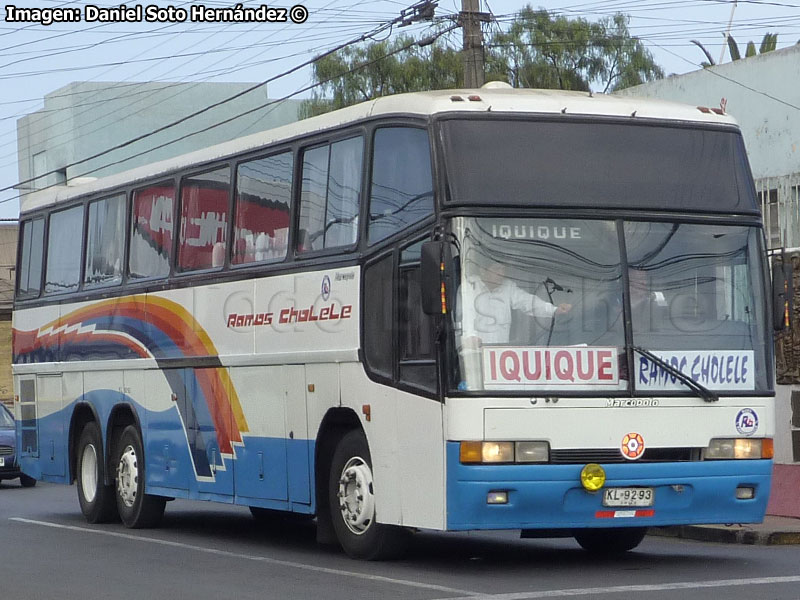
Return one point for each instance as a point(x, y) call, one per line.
point(454, 310)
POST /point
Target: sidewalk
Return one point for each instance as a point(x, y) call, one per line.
point(773, 531)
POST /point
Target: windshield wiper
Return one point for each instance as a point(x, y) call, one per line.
point(703, 391)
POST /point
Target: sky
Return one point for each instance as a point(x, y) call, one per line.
point(36, 59)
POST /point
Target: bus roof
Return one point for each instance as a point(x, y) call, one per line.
point(492, 97)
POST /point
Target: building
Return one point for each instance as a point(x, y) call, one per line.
point(81, 120)
point(761, 92)
point(8, 255)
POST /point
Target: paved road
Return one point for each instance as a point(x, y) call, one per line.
point(214, 551)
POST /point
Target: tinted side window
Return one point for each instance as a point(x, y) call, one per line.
point(313, 198)
point(344, 193)
point(105, 240)
point(65, 235)
point(330, 195)
point(402, 184)
point(415, 328)
point(263, 205)
point(204, 220)
point(378, 316)
point(151, 231)
point(30, 261)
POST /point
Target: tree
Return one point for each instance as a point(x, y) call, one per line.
point(768, 43)
point(545, 51)
point(537, 50)
point(359, 73)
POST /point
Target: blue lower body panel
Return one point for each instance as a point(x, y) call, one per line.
point(551, 496)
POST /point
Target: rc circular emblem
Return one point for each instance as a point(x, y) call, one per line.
point(326, 288)
point(632, 446)
point(747, 421)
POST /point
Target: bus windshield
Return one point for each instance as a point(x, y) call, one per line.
point(551, 305)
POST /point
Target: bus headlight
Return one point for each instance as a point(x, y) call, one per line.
point(498, 452)
point(530, 452)
point(739, 448)
point(504, 452)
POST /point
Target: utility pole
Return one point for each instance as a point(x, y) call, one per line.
point(470, 19)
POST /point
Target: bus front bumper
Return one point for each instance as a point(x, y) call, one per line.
point(551, 496)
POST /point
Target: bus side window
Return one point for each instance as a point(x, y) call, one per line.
point(401, 193)
point(204, 218)
point(65, 233)
point(151, 231)
point(330, 194)
point(30, 262)
point(263, 205)
point(105, 240)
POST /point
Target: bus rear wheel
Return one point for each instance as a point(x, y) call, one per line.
point(96, 498)
point(610, 541)
point(136, 509)
point(352, 504)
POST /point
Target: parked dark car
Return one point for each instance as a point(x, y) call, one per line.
point(9, 468)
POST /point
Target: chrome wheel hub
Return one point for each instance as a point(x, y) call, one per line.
point(128, 476)
point(356, 498)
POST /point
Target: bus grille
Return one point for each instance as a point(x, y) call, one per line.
point(6, 450)
point(579, 456)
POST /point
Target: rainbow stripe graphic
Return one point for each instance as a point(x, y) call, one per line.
point(142, 326)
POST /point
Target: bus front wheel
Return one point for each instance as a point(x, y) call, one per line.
point(610, 541)
point(136, 509)
point(96, 498)
point(352, 504)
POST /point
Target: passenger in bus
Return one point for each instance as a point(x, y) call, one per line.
point(644, 303)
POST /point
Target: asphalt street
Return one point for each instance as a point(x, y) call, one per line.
point(205, 550)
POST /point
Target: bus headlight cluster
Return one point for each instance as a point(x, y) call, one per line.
point(504, 452)
point(739, 448)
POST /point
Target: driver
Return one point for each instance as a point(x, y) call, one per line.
point(490, 296)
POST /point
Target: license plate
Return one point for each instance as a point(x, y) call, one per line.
point(638, 496)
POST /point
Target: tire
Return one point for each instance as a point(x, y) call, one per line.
point(610, 541)
point(96, 499)
point(26, 481)
point(136, 509)
point(352, 504)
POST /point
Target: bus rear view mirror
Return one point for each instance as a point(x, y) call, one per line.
point(782, 292)
point(436, 258)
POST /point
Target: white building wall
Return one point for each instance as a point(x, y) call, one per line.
point(762, 93)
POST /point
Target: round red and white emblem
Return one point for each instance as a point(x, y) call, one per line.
point(632, 446)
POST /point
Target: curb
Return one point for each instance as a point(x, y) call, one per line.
point(736, 534)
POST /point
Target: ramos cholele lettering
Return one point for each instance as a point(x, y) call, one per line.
point(330, 312)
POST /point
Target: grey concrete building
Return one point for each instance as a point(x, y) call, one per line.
point(83, 119)
point(763, 94)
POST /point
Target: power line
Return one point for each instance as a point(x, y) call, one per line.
point(404, 15)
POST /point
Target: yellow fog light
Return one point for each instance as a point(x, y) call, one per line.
point(593, 477)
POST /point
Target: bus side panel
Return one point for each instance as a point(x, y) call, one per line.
point(169, 463)
point(299, 448)
point(260, 465)
point(51, 423)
